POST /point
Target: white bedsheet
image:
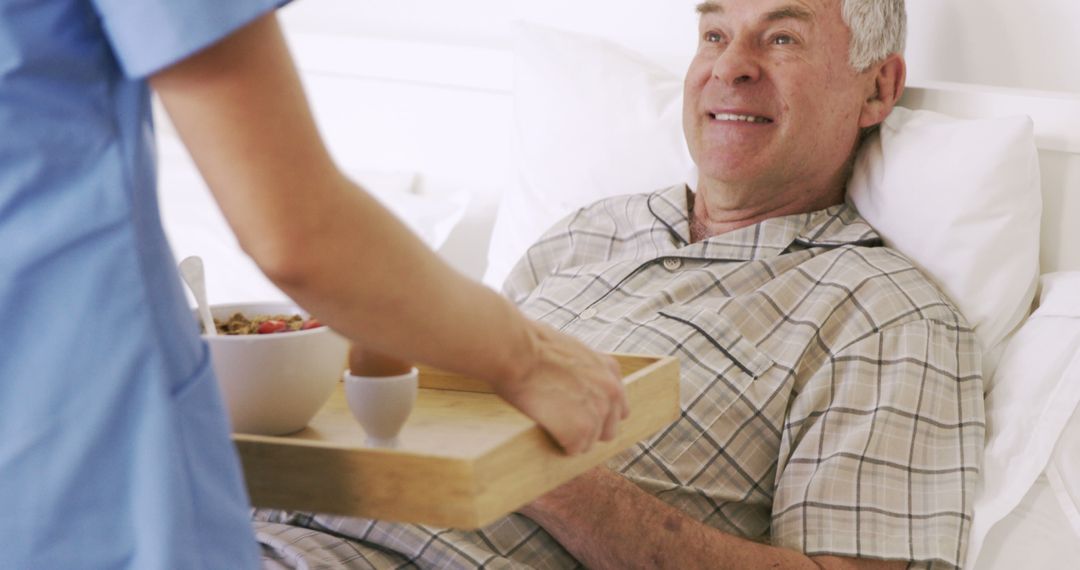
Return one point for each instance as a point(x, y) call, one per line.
point(1030, 494)
point(1036, 534)
point(1043, 531)
point(1064, 469)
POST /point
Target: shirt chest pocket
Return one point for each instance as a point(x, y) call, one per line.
point(718, 395)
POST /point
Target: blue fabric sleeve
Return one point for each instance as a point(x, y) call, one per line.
point(149, 35)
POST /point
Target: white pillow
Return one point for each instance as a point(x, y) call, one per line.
point(1036, 391)
point(195, 226)
point(961, 198)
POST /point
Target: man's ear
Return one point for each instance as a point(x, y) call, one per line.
point(888, 76)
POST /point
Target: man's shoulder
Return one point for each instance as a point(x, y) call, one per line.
point(621, 210)
point(615, 228)
point(637, 208)
point(620, 223)
point(884, 279)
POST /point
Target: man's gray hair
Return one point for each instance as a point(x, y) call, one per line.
point(878, 29)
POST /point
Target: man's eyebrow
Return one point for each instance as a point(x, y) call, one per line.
point(790, 13)
point(709, 7)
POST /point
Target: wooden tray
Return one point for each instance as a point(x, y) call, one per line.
point(466, 457)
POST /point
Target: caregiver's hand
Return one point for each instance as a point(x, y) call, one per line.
point(573, 392)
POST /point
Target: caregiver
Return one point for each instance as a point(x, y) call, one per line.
point(114, 445)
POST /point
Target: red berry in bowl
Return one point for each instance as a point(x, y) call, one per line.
point(272, 326)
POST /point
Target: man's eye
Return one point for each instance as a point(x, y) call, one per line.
point(713, 37)
point(783, 40)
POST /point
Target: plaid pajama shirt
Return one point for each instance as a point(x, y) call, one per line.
point(831, 395)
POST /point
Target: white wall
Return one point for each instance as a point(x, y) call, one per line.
point(644, 23)
point(1033, 44)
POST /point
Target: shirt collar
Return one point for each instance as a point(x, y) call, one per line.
point(832, 227)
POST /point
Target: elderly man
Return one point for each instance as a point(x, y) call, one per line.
point(832, 397)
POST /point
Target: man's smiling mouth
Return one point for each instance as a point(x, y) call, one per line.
point(739, 118)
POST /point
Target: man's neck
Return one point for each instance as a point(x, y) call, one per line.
point(713, 211)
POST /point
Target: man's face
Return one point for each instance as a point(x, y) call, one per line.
point(770, 98)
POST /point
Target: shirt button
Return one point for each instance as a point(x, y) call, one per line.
point(588, 313)
point(672, 263)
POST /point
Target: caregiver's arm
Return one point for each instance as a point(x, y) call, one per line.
point(240, 109)
point(606, 521)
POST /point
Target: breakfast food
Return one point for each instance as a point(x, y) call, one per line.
point(239, 324)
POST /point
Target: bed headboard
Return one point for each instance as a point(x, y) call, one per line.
point(446, 111)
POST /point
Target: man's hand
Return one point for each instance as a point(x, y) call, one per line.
point(573, 392)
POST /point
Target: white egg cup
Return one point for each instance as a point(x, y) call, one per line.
point(381, 404)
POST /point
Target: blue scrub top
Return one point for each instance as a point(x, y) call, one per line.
point(114, 447)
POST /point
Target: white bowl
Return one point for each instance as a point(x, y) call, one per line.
point(273, 384)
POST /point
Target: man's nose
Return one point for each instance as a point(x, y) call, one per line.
point(737, 64)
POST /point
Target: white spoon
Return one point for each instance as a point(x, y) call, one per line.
point(191, 269)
